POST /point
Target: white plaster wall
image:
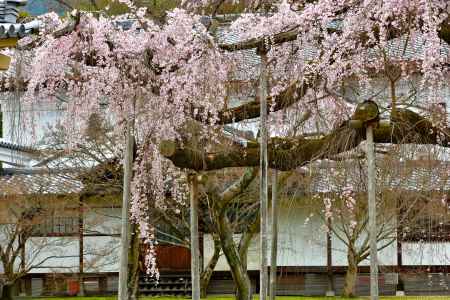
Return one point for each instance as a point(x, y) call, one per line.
point(303, 243)
point(64, 251)
point(101, 254)
point(102, 220)
point(26, 124)
point(426, 253)
point(300, 243)
point(48, 255)
point(387, 256)
point(301, 238)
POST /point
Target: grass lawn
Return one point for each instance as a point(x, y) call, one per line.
point(278, 298)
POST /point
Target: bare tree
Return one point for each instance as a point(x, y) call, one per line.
point(21, 247)
point(402, 201)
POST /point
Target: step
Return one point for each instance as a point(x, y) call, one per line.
point(165, 283)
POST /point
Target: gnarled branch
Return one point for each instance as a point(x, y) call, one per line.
point(290, 153)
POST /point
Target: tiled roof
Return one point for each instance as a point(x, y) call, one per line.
point(407, 176)
point(405, 47)
point(26, 182)
point(9, 10)
point(248, 61)
point(17, 147)
point(9, 27)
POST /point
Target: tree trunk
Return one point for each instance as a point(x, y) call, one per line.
point(7, 292)
point(133, 263)
point(351, 275)
point(205, 277)
point(229, 248)
point(245, 241)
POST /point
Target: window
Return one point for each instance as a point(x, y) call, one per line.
point(57, 226)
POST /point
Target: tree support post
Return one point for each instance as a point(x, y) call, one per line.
point(125, 230)
point(195, 251)
point(81, 246)
point(274, 240)
point(330, 288)
point(263, 190)
point(372, 213)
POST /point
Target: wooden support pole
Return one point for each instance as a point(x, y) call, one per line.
point(400, 290)
point(195, 251)
point(330, 292)
point(81, 247)
point(263, 190)
point(371, 182)
point(125, 232)
point(274, 239)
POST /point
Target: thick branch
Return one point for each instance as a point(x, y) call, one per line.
point(260, 42)
point(290, 153)
point(238, 187)
point(292, 94)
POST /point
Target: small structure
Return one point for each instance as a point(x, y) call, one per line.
point(10, 30)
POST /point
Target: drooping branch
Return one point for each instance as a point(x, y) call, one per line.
point(290, 153)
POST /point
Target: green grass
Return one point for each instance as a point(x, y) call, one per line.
point(278, 298)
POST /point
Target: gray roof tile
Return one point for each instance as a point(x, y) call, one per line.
point(407, 176)
point(9, 27)
point(26, 182)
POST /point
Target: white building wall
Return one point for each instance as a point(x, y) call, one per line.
point(426, 254)
point(102, 252)
point(61, 254)
point(302, 242)
point(26, 124)
point(53, 254)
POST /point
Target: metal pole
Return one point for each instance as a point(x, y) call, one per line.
point(195, 254)
point(263, 282)
point(372, 213)
point(125, 232)
point(274, 246)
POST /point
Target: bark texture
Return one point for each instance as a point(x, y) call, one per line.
point(220, 206)
point(286, 154)
point(238, 272)
point(351, 275)
point(205, 277)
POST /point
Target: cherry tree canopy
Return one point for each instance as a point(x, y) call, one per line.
point(183, 80)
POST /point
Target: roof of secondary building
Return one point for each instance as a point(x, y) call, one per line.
point(16, 147)
point(45, 182)
point(413, 176)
